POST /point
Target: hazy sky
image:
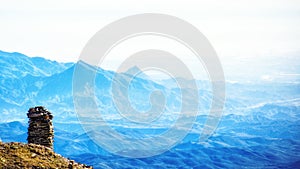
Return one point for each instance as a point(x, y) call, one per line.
point(58, 30)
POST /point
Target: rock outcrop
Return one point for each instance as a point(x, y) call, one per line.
point(40, 129)
point(38, 153)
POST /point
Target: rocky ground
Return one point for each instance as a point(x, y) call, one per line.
point(18, 155)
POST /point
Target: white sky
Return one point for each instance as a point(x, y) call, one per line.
point(58, 30)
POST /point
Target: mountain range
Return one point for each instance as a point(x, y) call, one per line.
point(259, 127)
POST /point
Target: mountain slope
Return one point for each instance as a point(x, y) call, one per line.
point(18, 155)
point(17, 65)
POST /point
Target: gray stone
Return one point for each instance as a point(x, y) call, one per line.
point(40, 129)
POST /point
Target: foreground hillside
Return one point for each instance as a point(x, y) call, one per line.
point(19, 155)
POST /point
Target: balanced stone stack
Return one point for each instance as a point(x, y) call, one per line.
point(40, 130)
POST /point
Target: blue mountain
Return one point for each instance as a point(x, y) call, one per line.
point(259, 128)
point(16, 65)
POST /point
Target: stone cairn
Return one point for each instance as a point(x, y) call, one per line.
point(40, 130)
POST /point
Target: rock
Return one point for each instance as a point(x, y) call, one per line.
point(33, 155)
point(40, 129)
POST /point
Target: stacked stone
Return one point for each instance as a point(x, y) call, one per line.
point(40, 130)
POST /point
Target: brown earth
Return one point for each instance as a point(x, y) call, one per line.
point(18, 155)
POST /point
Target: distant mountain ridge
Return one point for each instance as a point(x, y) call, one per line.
point(34, 82)
point(17, 65)
point(259, 127)
point(21, 79)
